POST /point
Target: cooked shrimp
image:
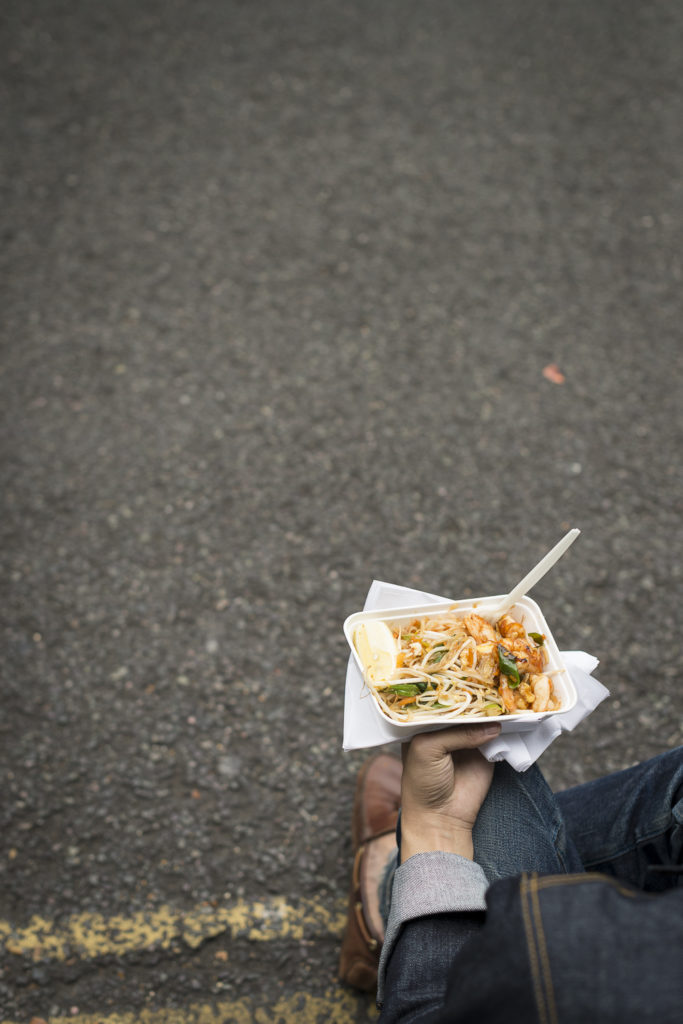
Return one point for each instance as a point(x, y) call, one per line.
point(507, 626)
point(528, 658)
point(480, 629)
point(541, 686)
point(508, 697)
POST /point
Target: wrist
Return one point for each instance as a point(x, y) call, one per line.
point(427, 839)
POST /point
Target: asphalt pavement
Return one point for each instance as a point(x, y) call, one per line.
point(295, 297)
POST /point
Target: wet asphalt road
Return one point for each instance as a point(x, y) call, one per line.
point(279, 285)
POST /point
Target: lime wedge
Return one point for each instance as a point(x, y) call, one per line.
point(377, 649)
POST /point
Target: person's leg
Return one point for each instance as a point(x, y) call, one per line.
point(630, 824)
point(520, 827)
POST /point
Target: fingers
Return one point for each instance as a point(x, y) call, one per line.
point(460, 737)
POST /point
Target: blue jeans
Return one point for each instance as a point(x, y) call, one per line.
point(628, 825)
point(564, 937)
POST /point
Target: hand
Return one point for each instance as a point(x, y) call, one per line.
point(445, 781)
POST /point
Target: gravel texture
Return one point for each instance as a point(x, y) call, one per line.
point(279, 286)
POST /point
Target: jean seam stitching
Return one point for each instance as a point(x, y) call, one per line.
point(554, 881)
point(543, 951)
point(532, 950)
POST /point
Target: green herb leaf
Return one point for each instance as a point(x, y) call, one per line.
point(404, 689)
point(538, 639)
point(508, 666)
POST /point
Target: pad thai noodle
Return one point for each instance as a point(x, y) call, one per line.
point(464, 665)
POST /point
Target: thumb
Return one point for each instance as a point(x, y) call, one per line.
point(458, 737)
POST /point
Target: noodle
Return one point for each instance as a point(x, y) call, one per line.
point(455, 664)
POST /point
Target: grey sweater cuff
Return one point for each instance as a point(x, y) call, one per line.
point(430, 883)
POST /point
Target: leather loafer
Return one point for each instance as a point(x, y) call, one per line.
point(373, 827)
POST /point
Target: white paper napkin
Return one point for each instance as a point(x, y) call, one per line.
point(364, 728)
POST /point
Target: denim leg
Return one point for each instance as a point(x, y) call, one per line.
point(630, 824)
point(520, 827)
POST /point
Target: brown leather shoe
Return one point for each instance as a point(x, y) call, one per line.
point(373, 827)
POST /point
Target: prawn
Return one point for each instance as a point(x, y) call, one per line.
point(528, 658)
point(480, 629)
point(507, 697)
point(542, 688)
point(509, 627)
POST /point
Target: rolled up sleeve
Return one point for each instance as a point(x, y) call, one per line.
point(427, 885)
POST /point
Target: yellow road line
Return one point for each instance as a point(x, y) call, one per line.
point(335, 1006)
point(89, 935)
